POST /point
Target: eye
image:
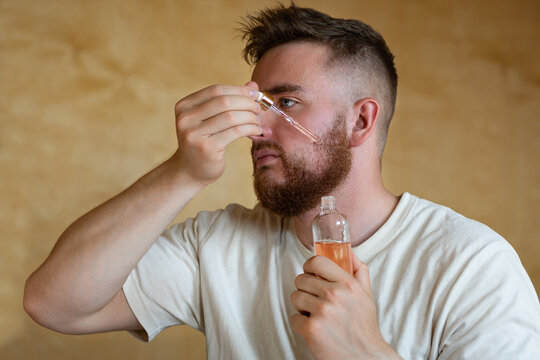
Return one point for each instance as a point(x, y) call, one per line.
point(285, 103)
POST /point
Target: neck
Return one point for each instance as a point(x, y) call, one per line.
point(363, 200)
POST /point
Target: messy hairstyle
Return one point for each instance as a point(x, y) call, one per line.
point(359, 52)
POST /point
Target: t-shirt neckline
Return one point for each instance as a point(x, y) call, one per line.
point(376, 242)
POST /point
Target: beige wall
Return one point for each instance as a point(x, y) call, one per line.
point(87, 90)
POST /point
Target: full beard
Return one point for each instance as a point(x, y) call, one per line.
point(303, 188)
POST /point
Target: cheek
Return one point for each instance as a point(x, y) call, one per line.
point(310, 159)
point(319, 122)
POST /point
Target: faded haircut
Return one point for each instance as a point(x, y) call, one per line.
point(358, 51)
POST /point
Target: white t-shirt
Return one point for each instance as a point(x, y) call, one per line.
point(446, 287)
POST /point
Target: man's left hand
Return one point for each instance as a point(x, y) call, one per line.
point(337, 312)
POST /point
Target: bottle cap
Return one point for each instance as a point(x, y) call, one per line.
point(265, 100)
point(328, 202)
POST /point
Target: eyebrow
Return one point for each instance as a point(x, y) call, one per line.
point(284, 88)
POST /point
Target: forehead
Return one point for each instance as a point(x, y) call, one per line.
point(299, 63)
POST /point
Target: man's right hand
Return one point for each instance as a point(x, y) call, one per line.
point(78, 289)
point(209, 120)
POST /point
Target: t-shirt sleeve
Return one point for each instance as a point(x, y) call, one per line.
point(494, 311)
point(163, 290)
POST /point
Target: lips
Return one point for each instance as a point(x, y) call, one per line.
point(264, 156)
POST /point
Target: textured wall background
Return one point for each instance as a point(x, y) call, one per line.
point(87, 90)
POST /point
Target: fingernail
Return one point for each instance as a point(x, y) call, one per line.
point(253, 94)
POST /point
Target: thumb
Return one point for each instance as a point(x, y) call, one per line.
point(253, 86)
point(361, 272)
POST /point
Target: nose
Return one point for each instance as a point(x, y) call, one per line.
point(266, 122)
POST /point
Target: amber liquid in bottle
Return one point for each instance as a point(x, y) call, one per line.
point(340, 253)
point(331, 235)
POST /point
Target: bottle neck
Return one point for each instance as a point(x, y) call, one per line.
point(328, 204)
point(328, 210)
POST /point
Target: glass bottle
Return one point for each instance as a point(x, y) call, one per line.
point(331, 237)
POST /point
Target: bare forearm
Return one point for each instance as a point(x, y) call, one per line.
point(78, 287)
point(93, 257)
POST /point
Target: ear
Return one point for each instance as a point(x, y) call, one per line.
point(366, 111)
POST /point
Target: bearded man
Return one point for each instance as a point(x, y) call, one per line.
point(427, 283)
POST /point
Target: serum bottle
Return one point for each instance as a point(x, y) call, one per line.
point(331, 237)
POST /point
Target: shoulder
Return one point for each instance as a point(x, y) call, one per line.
point(234, 214)
point(234, 219)
point(451, 243)
point(472, 256)
point(483, 289)
point(449, 228)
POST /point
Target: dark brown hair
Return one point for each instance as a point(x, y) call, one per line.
point(353, 44)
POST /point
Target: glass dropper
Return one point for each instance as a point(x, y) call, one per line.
point(267, 102)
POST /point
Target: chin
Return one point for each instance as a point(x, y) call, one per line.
point(271, 173)
point(268, 179)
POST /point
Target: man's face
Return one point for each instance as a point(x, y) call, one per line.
point(306, 178)
point(290, 172)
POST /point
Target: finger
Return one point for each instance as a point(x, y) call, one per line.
point(228, 120)
point(225, 103)
point(304, 302)
point(195, 116)
point(356, 263)
point(361, 272)
point(213, 91)
point(325, 268)
point(310, 284)
point(226, 137)
point(253, 85)
point(298, 322)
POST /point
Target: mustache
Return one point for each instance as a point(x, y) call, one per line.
point(266, 145)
